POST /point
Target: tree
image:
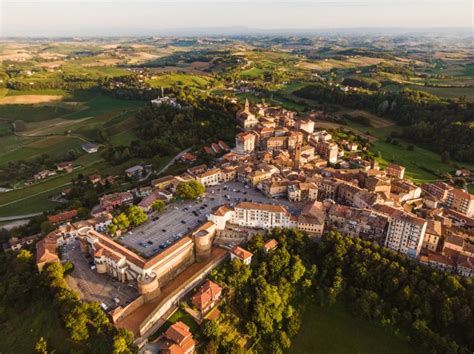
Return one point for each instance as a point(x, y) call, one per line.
point(121, 221)
point(210, 329)
point(190, 190)
point(41, 346)
point(158, 205)
point(24, 256)
point(47, 227)
point(112, 229)
point(136, 215)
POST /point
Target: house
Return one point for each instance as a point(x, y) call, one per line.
point(465, 266)
point(16, 244)
point(215, 148)
point(223, 145)
point(244, 143)
point(162, 182)
point(90, 148)
point(312, 219)
point(111, 201)
point(207, 296)
point(208, 150)
point(64, 167)
point(46, 251)
point(270, 245)
point(62, 217)
point(396, 171)
point(188, 157)
point(242, 254)
point(177, 339)
point(134, 171)
point(95, 179)
point(210, 178)
point(147, 202)
point(44, 174)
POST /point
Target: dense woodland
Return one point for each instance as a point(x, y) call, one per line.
point(443, 126)
point(431, 309)
point(266, 299)
point(87, 327)
point(166, 130)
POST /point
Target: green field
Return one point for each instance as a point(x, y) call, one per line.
point(469, 69)
point(334, 331)
point(32, 113)
point(177, 79)
point(447, 92)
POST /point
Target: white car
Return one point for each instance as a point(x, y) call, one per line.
point(104, 306)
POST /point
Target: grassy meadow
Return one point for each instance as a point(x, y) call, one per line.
point(333, 330)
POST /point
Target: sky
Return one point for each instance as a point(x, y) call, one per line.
point(155, 17)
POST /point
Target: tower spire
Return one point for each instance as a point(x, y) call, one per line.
point(247, 105)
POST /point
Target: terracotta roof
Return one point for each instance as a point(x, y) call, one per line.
point(208, 292)
point(270, 244)
point(221, 210)
point(241, 253)
point(178, 332)
point(210, 172)
point(67, 215)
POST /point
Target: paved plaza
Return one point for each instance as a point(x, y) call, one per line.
point(160, 231)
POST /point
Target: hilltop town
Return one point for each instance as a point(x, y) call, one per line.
point(247, 194)
point(283, 173)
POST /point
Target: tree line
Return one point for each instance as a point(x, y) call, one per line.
point(434, 310)
point(440, 125)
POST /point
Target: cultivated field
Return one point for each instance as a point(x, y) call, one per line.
point(29, 99)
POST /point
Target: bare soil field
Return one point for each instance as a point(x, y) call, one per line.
point(30, 99)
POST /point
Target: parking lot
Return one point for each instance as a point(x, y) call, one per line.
point(160, 231)
point(93, 286)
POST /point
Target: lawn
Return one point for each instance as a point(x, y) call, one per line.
point(333, 330)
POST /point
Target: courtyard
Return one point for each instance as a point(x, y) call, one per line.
point(93, 286)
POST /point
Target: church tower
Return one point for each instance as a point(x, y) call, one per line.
point(297, 157)
point(247, 106)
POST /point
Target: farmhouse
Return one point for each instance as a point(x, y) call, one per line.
point(90, 148)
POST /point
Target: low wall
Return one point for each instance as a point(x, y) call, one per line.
point(121, 312)
point(174, 297)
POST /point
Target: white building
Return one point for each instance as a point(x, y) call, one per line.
point(244, 143)
point(405, 233)
point(210, 178)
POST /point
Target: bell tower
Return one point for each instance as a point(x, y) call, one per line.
point(297, 156)
point(247, 106)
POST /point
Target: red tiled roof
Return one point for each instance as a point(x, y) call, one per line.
point(67, 215)
point(241, 253)
point(208, 292)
